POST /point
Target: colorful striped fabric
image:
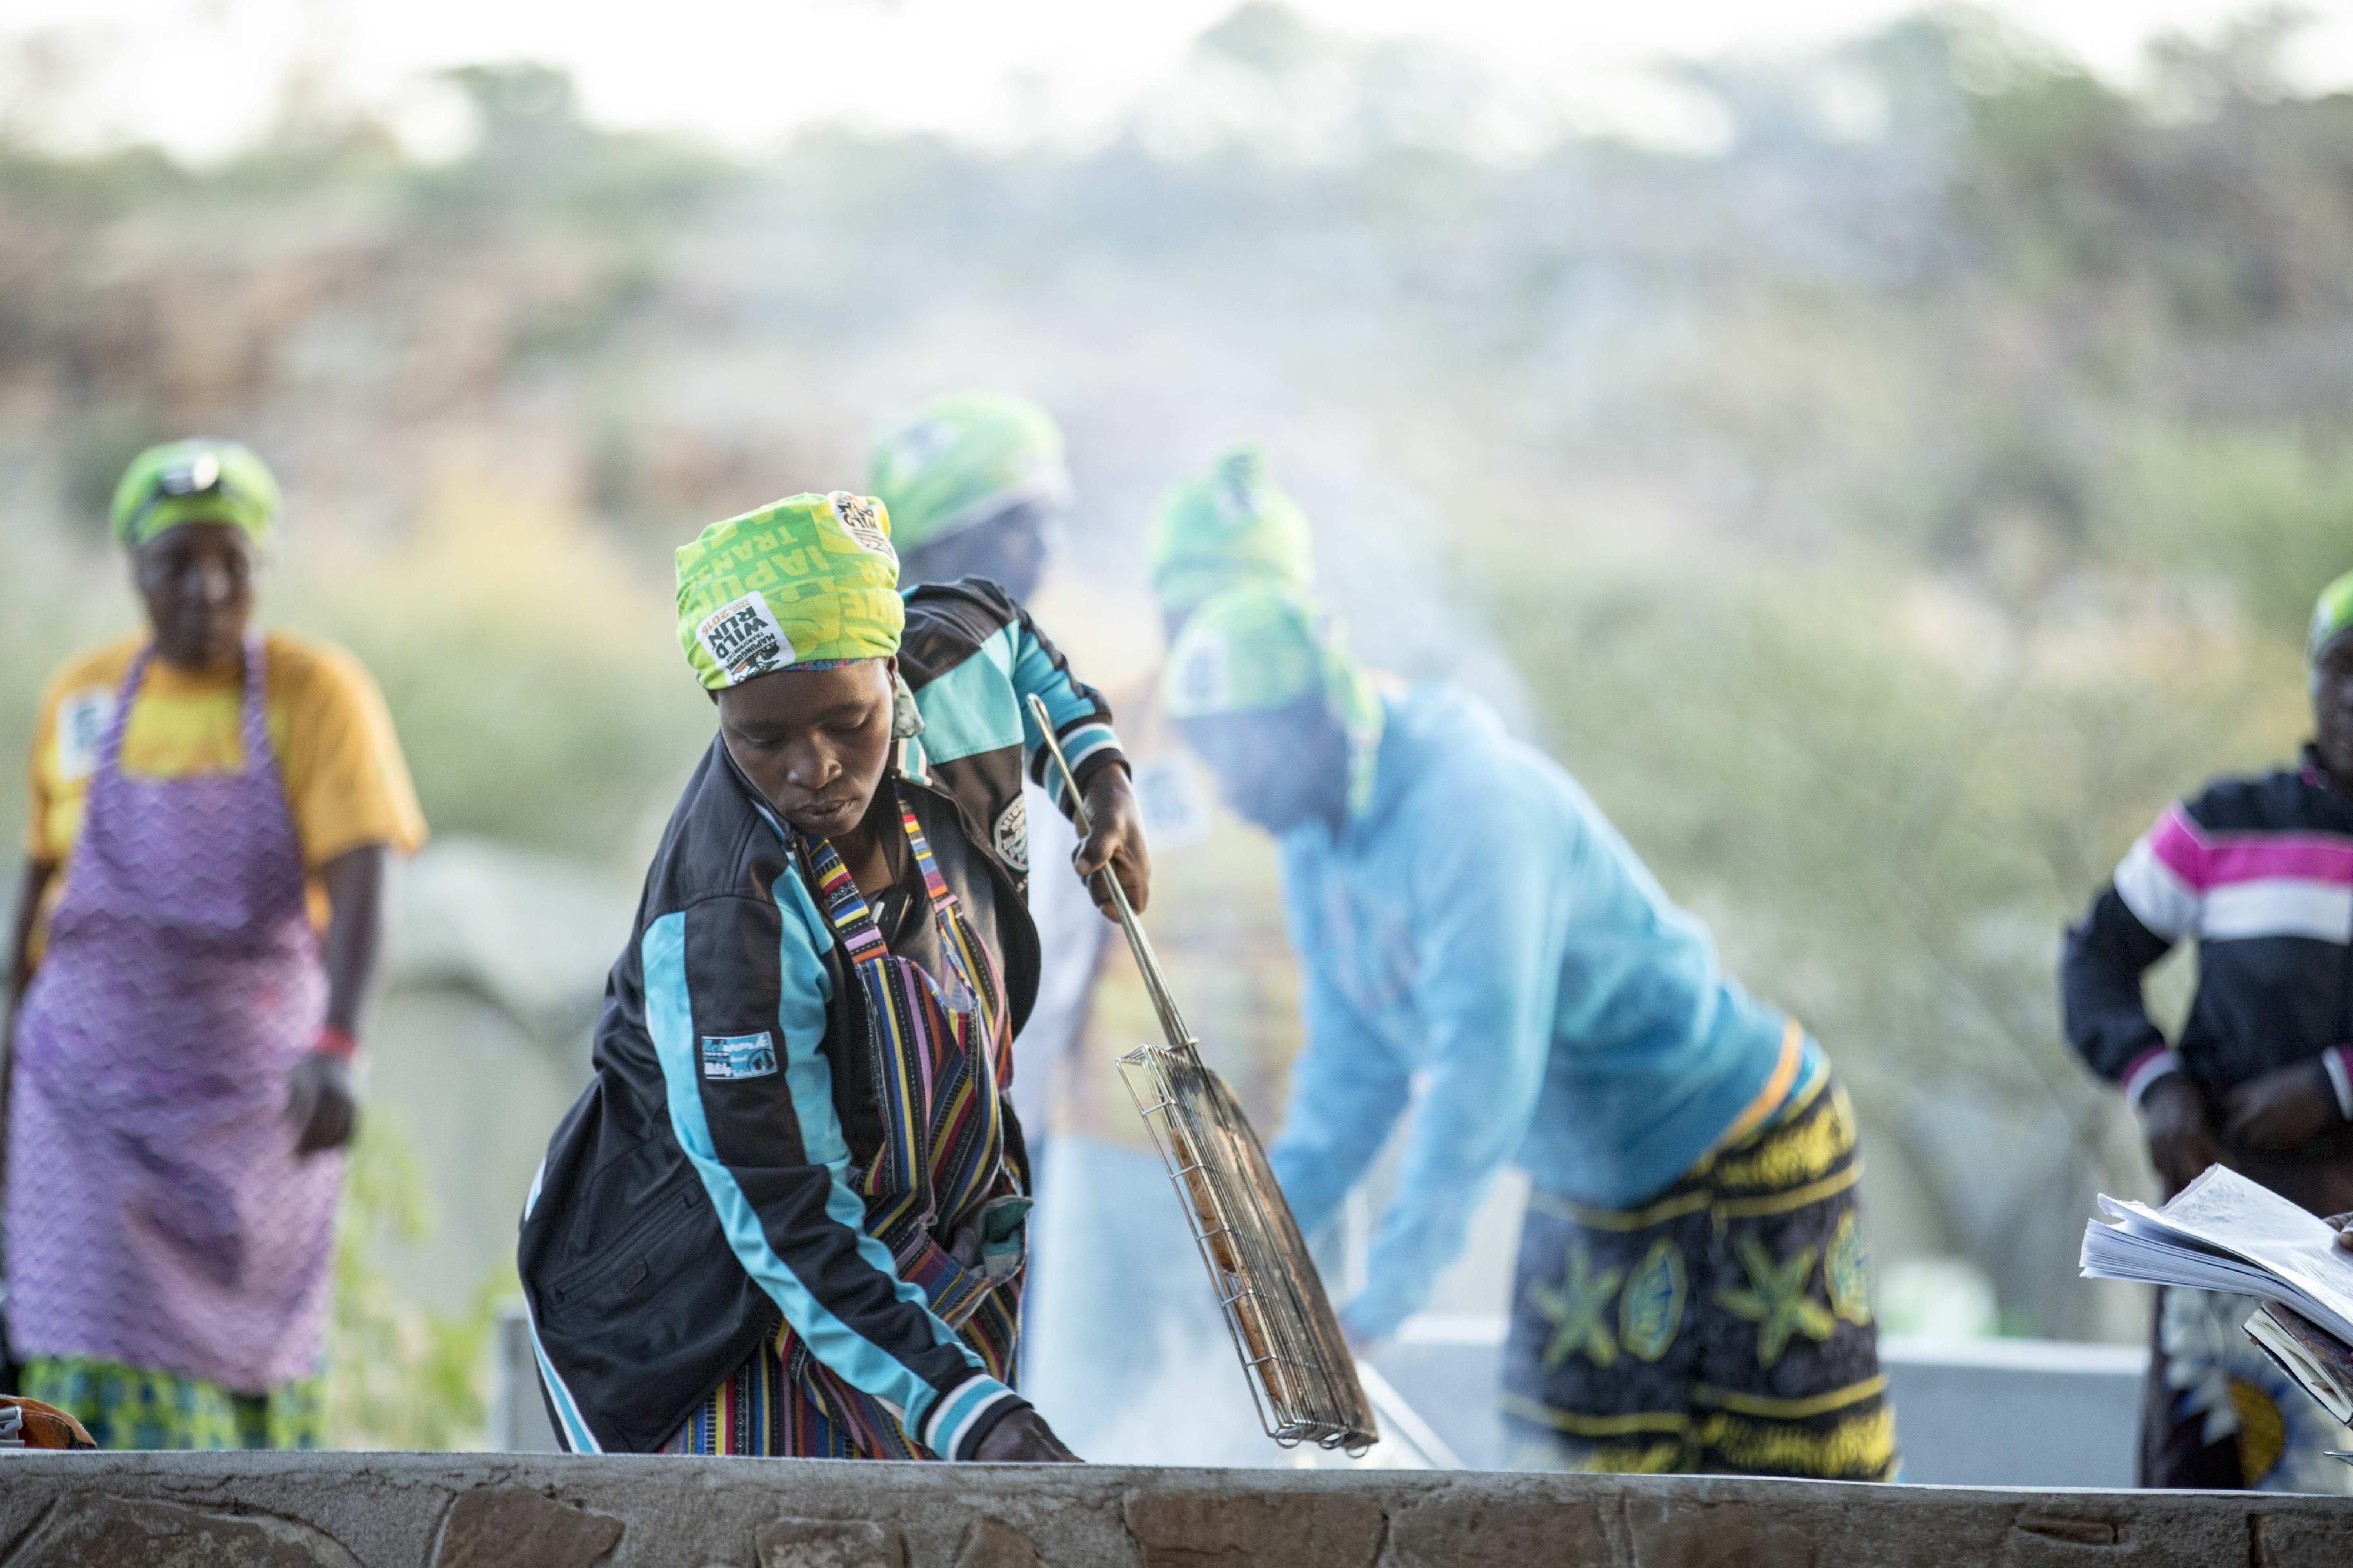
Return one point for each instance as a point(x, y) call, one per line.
point(757, 1412)
point(946, 1050)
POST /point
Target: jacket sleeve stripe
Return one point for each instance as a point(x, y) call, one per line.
point(1037, 669)
point(2206, 861)
point(574, 1430)
point(670, 1019)
point(1082, 720)
point(2289, 857)
point(1085, 741)
point(2154, 888)
point(2337, 1062)
point(960, 1415)
point(2142, 1072)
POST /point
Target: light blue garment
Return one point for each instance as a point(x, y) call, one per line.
point(1482, 927)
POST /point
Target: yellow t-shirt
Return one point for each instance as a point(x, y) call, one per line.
point(346, 781)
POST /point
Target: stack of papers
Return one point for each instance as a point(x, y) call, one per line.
point(2225, 1233)
point(2316, 1359)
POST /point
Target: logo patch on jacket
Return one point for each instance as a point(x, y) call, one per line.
point(1012, 835)
point(742, 638)
point(738, 1055)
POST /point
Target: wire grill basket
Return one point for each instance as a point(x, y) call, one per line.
point(1301, 1374)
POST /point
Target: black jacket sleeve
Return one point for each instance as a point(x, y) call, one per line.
point(2100, 970)
point(1081, 718)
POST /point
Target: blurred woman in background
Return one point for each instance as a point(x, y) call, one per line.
point(207, 802)
point(976, 485)
point(2259, 872)
point(1479, 946)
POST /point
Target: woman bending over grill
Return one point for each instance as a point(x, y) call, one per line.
point(786, 1217)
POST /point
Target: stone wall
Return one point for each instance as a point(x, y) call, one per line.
point(419, 1511)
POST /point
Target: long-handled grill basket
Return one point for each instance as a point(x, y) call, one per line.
point(1301, 1374)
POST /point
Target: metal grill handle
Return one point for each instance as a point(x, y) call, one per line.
point(1293, 1356)
point(1172, 1022)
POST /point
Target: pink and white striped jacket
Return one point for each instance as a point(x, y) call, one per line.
point(2259, 873)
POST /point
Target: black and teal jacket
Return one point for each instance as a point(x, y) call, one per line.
point(701, 1191)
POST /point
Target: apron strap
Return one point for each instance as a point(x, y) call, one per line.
point(845, 906)
point(253, 711)
point(935, 884)
point(852, 917)
point(976, 972)
point(109, 745)
point(252, 715)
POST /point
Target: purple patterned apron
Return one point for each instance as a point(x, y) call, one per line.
point(156, 1214)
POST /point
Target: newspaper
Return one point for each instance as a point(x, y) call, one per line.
point(2320, 1363)
point(2226, 1232)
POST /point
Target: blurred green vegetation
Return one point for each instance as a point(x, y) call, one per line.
point(399, 1376)
point(534, 672)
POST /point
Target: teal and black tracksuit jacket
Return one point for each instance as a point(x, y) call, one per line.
point(702, 1191)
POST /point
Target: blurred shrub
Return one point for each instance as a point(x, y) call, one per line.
point(528, 662)
point(398, 1375)
point(2266, 511)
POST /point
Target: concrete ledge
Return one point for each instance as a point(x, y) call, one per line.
point(429, 1510)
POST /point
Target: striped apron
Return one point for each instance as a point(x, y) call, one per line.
point(942, 1058)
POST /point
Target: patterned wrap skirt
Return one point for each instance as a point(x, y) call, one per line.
point(139, 1408)
point(1723, 1327)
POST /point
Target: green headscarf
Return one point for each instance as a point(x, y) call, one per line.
point(804, 580)
point(2330, 618)
point(1232, 527)
point(1257, 648)
point(193, 481)
point(961, 460)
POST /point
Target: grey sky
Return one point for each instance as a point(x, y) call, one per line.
point(199, 74)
